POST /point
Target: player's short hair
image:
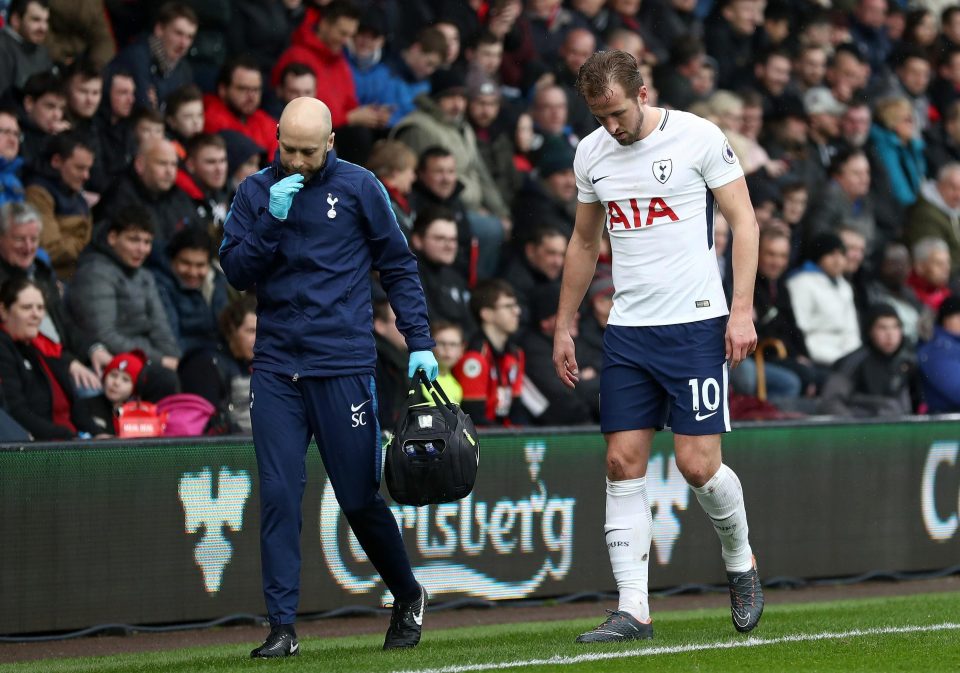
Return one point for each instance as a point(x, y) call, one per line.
point(487, 293)
point(389, 157)
point(603, 69)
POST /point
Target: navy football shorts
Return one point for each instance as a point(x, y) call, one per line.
point(665, 375)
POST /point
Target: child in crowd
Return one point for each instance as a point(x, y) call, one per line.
point(119, 385)
point(449, 350)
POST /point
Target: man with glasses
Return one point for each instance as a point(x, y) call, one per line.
point(491, 371)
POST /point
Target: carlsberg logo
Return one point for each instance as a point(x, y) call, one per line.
point(204, 510)
point(537, 530)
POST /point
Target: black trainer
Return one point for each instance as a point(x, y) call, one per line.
point(746, 598)
point(282, 642)
point(406, 623)
point(619, 627)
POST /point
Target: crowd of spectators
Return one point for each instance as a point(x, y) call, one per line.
point(126, 126)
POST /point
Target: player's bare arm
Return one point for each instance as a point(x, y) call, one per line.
point(734, 201)
point(579, 266)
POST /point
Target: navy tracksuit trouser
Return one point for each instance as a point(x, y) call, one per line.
point(341, 414)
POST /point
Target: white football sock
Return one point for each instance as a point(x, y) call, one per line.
point(628, 531)
point(722, 500)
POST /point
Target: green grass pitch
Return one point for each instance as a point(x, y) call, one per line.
point(915, 633)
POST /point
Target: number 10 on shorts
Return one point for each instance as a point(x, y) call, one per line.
point(707, 392)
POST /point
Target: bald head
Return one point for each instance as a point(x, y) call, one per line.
point(156, 164)
point(306, 135)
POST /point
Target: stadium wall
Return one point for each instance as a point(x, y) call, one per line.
point(167, 531)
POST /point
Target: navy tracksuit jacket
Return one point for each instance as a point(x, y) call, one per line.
point(315, 358)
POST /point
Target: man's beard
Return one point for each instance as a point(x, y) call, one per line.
point(634, 135)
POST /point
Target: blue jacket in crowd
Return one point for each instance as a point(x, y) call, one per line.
point(389, 82)
point(940, 369)
point(312, 270)
point(905, 164)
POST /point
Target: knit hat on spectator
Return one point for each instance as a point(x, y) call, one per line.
point(602, 286)
point(949, 307)
point(130, 363)
point(372, 23)
point(544, 301)
point(479, 84)
point(762, 189)
point(824, 244)
point(447, 83)
point(556, 155)
point(239, 149)
point(820, 100)
point(877, 311)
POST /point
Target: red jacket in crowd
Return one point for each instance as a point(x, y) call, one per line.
point(334, 79)
point(260, 127)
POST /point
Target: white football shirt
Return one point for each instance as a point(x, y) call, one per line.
point(660, 216)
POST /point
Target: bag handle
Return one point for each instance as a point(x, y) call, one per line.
point(443, 402)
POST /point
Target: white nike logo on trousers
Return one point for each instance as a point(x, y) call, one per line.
point(358, 407)
point(705, 416)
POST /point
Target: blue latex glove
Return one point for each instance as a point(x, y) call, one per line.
point(423, 360)
point(282, 193)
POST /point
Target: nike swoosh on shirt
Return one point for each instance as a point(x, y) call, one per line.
point(596, 180)
point(705, 416)
point(358, 407)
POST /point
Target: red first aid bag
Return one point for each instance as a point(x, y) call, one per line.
point(139, 419)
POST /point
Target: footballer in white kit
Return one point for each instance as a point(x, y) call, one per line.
point(652, 177)
point(659, 216)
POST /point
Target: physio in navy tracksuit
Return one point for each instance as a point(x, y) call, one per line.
point(306, 233)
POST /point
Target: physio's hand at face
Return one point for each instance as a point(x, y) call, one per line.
point(423, 360)
point(282, 193)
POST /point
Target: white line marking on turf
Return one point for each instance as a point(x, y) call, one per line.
point(752, 641)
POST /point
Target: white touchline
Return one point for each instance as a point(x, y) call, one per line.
point(752, 641)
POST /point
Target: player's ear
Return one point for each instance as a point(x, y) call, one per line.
point(278, 131)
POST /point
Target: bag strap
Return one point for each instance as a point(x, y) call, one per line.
point(440, 396)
